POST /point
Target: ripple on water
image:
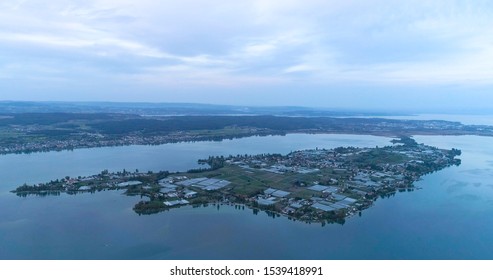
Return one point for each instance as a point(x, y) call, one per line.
point(468, 197)
point(456, 186)
point(478, 171)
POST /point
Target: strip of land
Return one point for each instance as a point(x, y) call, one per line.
point(319, 185)
point(40, 132)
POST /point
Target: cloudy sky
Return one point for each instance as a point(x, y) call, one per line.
point(338, 54)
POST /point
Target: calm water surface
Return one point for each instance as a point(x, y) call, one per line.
point(449, 218)
point(479, 119)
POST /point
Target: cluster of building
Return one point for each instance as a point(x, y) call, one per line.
point(175, 190)
point(94, 140)
point(361, 182)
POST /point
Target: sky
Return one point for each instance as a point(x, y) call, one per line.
point(372, 54)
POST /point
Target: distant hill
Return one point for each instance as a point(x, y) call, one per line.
point(176, 109)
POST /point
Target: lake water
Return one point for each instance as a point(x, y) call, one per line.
point(449, 218)
point(470, 119)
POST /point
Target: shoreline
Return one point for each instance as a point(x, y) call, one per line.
point(151, 143)
point(28, 133)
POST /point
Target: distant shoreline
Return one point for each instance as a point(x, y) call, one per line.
point(44, 132)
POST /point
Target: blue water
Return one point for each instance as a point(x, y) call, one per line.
point(469, 119)
point(449, 218)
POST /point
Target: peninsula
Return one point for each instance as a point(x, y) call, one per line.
point(317, 185)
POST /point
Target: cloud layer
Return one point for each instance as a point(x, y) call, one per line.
point(160, 46)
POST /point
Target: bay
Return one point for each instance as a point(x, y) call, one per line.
point(467, 119)
point(447, 219)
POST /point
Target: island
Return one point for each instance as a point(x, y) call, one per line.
point(316, 185)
